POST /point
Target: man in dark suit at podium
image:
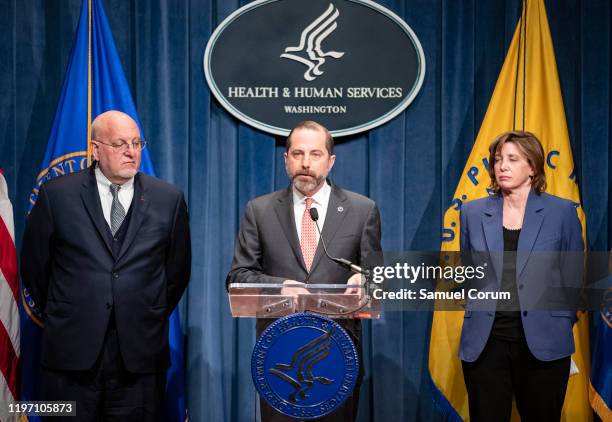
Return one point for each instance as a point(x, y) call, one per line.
point(278, 241)
point(106, 256)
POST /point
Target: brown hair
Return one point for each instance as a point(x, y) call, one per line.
point(531, 147)
point(312, 125)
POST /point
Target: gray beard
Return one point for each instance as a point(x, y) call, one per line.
point(308, 186)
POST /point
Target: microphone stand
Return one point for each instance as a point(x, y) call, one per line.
point(314, 215)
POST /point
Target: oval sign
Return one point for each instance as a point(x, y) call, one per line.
point(350, 65)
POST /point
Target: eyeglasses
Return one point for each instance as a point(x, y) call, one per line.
point(121, 146)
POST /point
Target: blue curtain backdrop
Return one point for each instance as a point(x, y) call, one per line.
point(410, 166)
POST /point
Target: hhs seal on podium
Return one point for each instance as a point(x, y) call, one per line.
point(305, 365)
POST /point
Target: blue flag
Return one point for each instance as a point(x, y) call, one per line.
point(94, 83)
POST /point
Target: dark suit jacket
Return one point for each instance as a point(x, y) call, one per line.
point(548, 261)
point(268, 248)
point(68, 266)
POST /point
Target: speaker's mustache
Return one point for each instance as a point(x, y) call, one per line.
point(304, 174)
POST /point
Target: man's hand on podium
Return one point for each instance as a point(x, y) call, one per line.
point(293, 291)
point(355, 279)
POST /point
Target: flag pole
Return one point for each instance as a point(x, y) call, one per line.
point(89, 85)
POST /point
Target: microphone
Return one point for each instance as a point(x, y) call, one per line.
point(314, 215)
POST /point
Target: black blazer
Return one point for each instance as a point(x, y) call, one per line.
point(68, 266)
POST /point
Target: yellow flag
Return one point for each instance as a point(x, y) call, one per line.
point(527, 96)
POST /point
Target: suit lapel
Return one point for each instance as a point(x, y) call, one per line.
point(337, 208)
point(532, 222)
point(139, 205)
point(492, 226)
point(284, 213)
point(91, 200)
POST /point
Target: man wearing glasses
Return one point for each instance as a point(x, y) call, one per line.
point(106, 255)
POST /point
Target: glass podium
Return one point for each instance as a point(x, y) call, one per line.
point(258, 300)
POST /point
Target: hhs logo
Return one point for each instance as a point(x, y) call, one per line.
point(301, 363)
point(274, 63)
point(305, 365)
point(310, 44)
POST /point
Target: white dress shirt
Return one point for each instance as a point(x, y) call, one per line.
point(320, 201)
point(125, 195)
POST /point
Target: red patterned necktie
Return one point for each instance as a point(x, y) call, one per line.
point(308, 236)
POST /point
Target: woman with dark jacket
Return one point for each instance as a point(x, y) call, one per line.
point(533, 246)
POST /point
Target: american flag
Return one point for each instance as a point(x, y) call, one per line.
point(9, 314)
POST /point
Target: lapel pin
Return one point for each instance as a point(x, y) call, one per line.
point(340, 209)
